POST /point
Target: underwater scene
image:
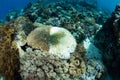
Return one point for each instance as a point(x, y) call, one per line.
point(59, 39)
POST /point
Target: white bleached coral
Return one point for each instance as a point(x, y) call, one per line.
point(66, 43)
point(55, 40)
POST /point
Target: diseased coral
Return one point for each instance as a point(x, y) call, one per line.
point(9, 56)
point(52, 39)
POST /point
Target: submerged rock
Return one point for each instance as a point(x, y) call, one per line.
point(108, 40)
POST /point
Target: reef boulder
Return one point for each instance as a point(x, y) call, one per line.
point(108, 40)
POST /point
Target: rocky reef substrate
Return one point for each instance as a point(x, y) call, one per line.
point(108, 41)
point(53, 42)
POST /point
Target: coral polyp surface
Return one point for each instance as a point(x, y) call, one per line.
point(39, 38)
point(44, 66)
point(77, 65)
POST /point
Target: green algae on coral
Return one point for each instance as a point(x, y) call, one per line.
point(54, 39)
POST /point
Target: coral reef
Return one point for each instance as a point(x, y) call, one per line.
point(81, 21)
point(39, 38)
point(52, 39)
point(77, 66)
point(9, 56)
point(44, 66)
point(44, 49)
point(94, 70)
point(36, 64)
point(108, 41)
point(22, 26)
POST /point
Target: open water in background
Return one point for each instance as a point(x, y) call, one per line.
point(7, 5)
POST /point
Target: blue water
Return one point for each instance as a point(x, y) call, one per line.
point(108, 4)
point(7, 5)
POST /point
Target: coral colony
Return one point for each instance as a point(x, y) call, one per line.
point(60, 42)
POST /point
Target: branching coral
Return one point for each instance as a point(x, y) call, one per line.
point(9, 63)
point(44, 66)
point(52, 39)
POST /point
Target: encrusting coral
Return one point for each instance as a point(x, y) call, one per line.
point(9, 56)
point(52, 39)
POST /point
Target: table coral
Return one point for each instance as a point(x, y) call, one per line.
point(9, 57)
point(52, 39)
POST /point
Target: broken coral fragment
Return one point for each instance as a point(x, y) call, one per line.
point(55, 40)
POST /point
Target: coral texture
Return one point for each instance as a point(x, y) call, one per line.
point(22, 27)
point(39, 38)
point(52, 39)
point(36, 64)
point(77, 66)
point(79, 17)
point(45, 55)
point(44, 66)
point(9, 56)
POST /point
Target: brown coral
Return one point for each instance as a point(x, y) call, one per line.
point(77, 64)
point(9, 63)
point(39, 35)
point(42, 66)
